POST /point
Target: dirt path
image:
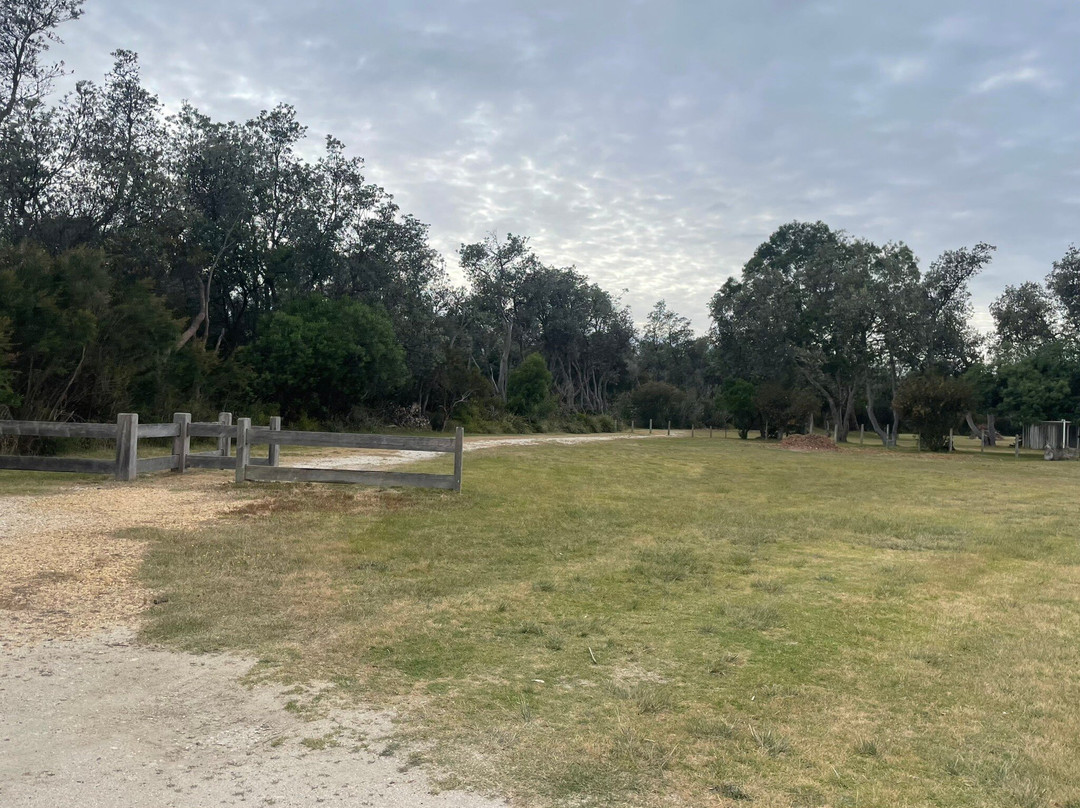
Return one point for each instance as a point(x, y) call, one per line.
point(104, 723)
point(89, 718)
point(371, 460)
point(64, 572)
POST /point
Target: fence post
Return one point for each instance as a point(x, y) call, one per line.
point(631, 427)
point(274, 453)
point(1016, 443)
point(181, 444)
point(650, 426)
point(224, 443)
point(127, 446)
point(243, 448)
point(710, 430)
point(669, 428)
point(691, 430)
point(862, 428)
point(459, 450)
point(951, 449)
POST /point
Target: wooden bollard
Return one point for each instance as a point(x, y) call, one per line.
point(224, 443)
point(669, 428)
point(127, 446)
point(650, 426)
point(274, 454)
point(459, 452)
point(243, 447)
point(181, 445)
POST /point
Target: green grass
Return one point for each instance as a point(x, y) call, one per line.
point(720, 622)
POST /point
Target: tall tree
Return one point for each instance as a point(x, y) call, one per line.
point(1064, 284)
point(1023, 320)
point(950, 343)
point(497, 269)
point(802, 310)
point(27, 28)
point(665, 345)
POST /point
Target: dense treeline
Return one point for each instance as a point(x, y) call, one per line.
point(152, 262)
point(155, 262)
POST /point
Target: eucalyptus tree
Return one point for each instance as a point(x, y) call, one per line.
point(584, 334)
point(664, 347)
point(802, 311)
point(897, 332)
point(950, 344)
point(27, 28)
point(496, 270)
point(1023, 321)
point(214, 179)
point(1064, 284)
point(118, 183)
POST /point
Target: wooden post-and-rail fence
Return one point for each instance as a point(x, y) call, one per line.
point(127, 431)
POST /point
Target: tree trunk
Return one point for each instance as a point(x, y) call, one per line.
point(504, 360)
point(872, 416)
point(974, 428)
point(844, 424)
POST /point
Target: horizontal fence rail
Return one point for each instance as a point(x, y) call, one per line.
point(127, 465)
point(385, 479)
point(124, 432)
point(127, 432)
point(52, 429)
point(76, 465)
point(247, 436)
point(349, 440)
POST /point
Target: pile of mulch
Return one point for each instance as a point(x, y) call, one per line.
point(809, 443)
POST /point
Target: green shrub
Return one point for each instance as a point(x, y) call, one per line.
point(528, 388)
point(933, 404)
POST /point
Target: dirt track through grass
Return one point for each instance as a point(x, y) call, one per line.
point(65, 572)
point(88, 716)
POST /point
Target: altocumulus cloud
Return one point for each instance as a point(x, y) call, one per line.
point(655, 144)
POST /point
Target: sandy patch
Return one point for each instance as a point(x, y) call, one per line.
point(103, 723)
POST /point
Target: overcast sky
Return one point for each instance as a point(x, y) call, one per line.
point(655, 144)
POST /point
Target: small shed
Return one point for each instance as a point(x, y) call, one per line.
point(1051, 435)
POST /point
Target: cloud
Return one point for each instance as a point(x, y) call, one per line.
point(654, 144)
point(1022, 75)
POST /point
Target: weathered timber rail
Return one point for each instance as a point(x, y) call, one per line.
point(248, 436)
point(127, 431)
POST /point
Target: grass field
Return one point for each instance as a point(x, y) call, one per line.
point(721, 622)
